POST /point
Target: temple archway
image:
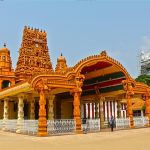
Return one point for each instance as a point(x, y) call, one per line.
point(103, 80)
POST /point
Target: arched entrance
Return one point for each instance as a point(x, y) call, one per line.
point(102, 86)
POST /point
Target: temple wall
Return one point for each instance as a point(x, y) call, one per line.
point(66, 110)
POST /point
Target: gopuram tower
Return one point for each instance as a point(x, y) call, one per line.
point(33, 54)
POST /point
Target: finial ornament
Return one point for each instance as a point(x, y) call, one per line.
point(4, 44)
point(103, 53)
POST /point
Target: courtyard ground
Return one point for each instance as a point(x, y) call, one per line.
point(135, 139)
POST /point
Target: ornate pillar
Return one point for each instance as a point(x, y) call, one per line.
point(76, 102)
point(101, 112)
point(118, 109)
point(42, 122)
point(96, 109)
point(129, 88)
point(5, 114)
point(147, 110)
point(32, 109)
point(77, 111)
point(20, 113)
point(130, 111)
point(51, 107)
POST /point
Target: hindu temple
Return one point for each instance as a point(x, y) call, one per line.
point(37, 94)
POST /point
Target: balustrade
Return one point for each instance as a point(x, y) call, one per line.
point(140, 121)
point(90, 125)
point(61, 126)
point(122, 123)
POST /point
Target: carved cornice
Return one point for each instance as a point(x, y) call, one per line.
point(128, 87)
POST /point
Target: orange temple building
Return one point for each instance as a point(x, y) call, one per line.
point(97, 87)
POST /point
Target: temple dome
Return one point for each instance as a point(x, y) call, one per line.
point(61, 64)
point(4, 49)
point(61, 58)
point(5, 59)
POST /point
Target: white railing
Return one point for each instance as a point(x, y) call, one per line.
point(140, 121)
point(61, 126)
point(10, 125)
point(90, 125)
point(29, 127)
point(122, 123)
point(25, 126)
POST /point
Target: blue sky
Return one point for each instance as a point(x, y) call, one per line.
point(79, 28)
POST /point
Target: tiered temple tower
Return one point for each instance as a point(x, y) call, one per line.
point(7, 75)
point(33, 54)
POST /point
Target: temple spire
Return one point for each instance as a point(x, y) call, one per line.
point(34, 57)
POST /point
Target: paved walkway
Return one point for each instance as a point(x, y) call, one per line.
point(135, 139)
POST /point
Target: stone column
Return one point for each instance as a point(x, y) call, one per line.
point(118, 109)
point(5, 114)
point(96, 109)
point(88, 110)
point(32, 109)
point(20, 113)
point(93, 110)
point(147, 110)
point(51, 107)
point(77, 111)
point(101, 112)
point(130, 111)
point(42, 122)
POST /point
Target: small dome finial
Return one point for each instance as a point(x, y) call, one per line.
point(4, 44)
point(61, 54)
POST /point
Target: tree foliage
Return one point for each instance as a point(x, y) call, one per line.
point(144, 78)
